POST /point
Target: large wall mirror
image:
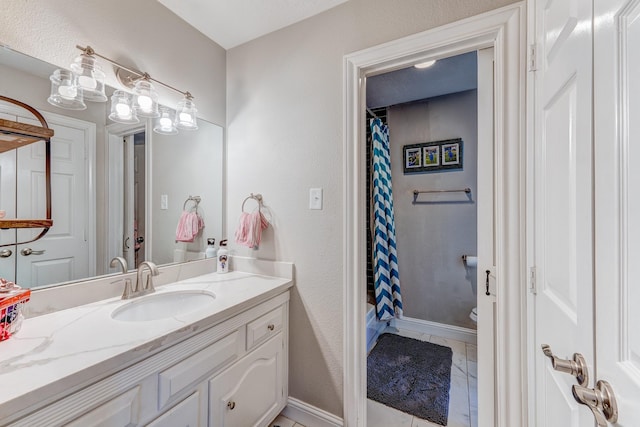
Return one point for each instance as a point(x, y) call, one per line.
point(116, 190)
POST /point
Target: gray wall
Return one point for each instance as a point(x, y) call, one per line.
point(433, 234)
point(285, 134)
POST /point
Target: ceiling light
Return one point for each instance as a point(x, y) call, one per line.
point(164, 125)
point(425, 64)
point(186, 114)
point(122, 108)
point(65, 92)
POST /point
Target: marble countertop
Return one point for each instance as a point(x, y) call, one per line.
point(66, 349)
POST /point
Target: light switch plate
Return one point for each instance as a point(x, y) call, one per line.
point(315, 198)
point(164, 201)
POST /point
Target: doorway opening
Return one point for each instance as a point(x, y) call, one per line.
point(432, 116)
point(502, 30)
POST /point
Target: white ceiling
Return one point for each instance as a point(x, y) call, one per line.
point(233, 22)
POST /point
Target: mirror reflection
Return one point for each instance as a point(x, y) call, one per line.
point(117, 189)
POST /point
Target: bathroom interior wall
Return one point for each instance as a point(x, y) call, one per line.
point(284, 135)
point(434, 233)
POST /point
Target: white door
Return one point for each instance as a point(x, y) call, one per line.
point(63, 253)
point(8, 204)
point(617, 207)
point(486, 254)
point(587, 220)
point(563, 219)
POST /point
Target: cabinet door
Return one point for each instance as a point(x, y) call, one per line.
point(185, 414)
point(251, 392)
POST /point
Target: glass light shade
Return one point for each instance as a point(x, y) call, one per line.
point(90, 78)
point(186, 115)
point(145, 101)
point(122, 108)
point(65, 92)
point(164, 125)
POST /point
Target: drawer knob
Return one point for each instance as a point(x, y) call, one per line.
point(231, 405)
point(271, 327)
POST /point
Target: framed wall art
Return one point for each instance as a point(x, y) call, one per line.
point(433, 156)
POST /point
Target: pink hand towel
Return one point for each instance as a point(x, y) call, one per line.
point(249, 232)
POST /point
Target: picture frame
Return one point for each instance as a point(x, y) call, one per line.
point(435, 156)
point(412, 158)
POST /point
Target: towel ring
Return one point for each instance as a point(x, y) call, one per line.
point(196, 199)
point(256, 197)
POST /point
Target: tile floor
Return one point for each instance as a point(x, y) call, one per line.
point(463, 396)
point(283, 421)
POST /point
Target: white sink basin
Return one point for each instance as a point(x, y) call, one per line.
point(162, 306)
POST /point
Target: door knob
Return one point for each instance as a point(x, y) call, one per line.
point(600, 400)
point(231, 405)
point(576, 367)
point(5, 253)
point(29, 251)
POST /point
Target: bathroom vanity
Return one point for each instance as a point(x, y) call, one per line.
point(207, 351)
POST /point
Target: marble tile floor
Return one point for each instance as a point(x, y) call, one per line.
point(283, 421)
point(463, 396)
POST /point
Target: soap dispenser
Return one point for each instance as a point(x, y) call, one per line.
point(211, 248)
point(223, 258)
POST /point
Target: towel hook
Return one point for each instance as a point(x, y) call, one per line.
point(257, 197)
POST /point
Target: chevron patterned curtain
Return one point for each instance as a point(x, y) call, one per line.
point(385, 262)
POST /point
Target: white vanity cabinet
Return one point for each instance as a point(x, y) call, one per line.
point(233, 373)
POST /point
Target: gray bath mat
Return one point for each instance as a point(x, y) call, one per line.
point(410, 375)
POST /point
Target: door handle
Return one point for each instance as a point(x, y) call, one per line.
point(5, 253)
point(576, 367)
point(600, 400)
point(29, 251)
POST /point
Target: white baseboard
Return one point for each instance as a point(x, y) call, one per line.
point(310, 416)
point(467, 335)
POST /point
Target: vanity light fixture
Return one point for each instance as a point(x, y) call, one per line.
point(164, 125)
point(122, 110)
point(85, 82)
point(65, 92)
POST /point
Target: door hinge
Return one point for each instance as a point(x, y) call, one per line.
point(533, 57)
point(533, 285)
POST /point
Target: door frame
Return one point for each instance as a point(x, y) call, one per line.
point(503, 29)
point(114, 183)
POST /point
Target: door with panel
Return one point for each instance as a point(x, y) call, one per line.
point(63, 254)
point(617, 207)
point(8, 205)
point(563, 204)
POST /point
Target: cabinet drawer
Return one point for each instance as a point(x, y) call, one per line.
point(119, 411)
point(205, 362)
point(186, 413)
point(264, 327)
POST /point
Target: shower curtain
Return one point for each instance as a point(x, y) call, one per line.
point(385, 257)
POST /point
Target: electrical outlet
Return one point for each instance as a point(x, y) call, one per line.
point(164, 202)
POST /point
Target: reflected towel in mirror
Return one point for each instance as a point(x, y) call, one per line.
point(189, 226)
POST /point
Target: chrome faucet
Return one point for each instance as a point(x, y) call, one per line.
point(148, 286)
point(119, 260)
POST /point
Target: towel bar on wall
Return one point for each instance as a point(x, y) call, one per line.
point(416, 192)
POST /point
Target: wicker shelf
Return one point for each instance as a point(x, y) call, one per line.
point(15, 135)
point(25, 223)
